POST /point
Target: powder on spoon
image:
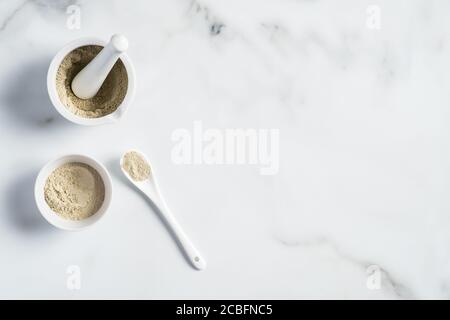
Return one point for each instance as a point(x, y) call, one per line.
point(136, 166)
point(107, 99)
point(74, 191)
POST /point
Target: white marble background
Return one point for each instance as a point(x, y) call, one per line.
point(364, 171)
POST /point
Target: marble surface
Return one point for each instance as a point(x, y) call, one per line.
point(362, 109)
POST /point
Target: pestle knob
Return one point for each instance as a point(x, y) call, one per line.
point(88, 81)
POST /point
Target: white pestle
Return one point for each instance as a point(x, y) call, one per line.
point(88, 81)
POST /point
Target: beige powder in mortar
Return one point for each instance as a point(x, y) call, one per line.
point(136, 166)
point(74, 191)
point(108, 98)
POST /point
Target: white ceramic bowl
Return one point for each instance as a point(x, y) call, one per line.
point(54, 218)
point(51, 85)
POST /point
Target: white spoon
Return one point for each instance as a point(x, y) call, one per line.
point(88, 81)
point(150, 188)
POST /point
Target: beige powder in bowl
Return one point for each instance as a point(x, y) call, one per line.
point(108, 98)
point(74, 191)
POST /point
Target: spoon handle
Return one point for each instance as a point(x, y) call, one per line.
point(192, 254)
